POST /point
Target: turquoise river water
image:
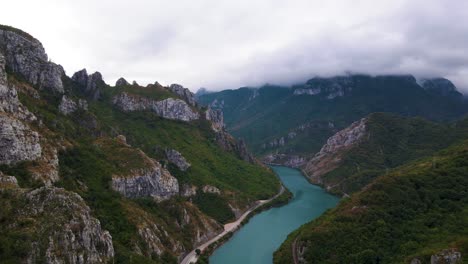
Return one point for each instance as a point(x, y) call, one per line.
point(255, 242)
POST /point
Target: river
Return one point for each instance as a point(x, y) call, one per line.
point(255, 242)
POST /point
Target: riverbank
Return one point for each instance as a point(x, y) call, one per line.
point(264, 233)
point(229, 228)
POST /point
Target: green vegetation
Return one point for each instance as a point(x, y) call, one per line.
point(93, 155)
point(213, 205)
point(275, 111)
point(414, 211)
point(391, 141)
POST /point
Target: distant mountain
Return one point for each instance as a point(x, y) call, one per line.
point(373, 145)
point(296, 121)
point(415, 213)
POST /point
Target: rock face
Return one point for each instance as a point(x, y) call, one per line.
point(216, 118)
point(441, 86)
point(90, 85)
point(68, 106)
point(242, 151)
point(26, 56)
point(330, 88)
point(293, 161)
point(121, 82)
point(329, 157)
point(9, 101)
point(188, 190)
point(210, 189)
point(176, 158)
point(169, 108)
point(447, 256)
point(17, 141)
point(154, 181)
point(8, 181)
point(184, 93)
point(63, 229)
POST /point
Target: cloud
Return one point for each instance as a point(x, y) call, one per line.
point(227, 44)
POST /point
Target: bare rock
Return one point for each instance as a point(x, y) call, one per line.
point(121, 82)
point(188, 190)
point(293, 161)
point(73, 237)
point(8, 181)
point(26, 56)
point(17, 141)
point(169, 108)
point(176, 158)
point(330, 155)
point(447, 256)
point(216, 118)
point(210, 189)
point(90, 85)
point(154, 181)
point(184, 93)
point(68, 106)
point(9, 101)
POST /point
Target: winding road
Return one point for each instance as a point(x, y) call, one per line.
point(192, 257)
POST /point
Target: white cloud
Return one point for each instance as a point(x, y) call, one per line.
point(227, 44)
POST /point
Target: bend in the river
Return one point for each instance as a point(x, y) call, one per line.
point(256, 241)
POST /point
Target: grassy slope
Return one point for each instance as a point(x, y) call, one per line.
point(392, 141)
point(414, 211)
point(87, 165)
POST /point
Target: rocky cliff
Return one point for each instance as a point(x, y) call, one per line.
point(169, 108)
point(184, 93)
point(26, 56)
point(68, 105)
point(138, 175)
point(176, 158)
point(216, 118)
point(90, 85)
point(329, 157)
point(63, 230)
point(50, 138)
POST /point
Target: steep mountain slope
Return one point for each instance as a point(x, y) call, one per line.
point(91, 173)
point(415, 213)
point(297, 120)
point(353, 157)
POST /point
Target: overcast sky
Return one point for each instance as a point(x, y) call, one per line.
point(227, 44)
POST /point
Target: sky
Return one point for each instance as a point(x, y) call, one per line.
point(220, 44)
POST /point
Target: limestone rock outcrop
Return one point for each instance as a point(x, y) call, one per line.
point(17, 141)
point(90, 85)
point(68, 106)
point(447, 256)
point(188, 190)
point(329, 156)
point(26, 56)
point(176, 158)
point(169, 108)
point(154, 181)
point(9, 101)
point(216, 118)
point(121, 82)
point(330, 88)
point(293, 161)
point(184, 93)
point(63, 230)
point(211, 189)
point(8, 181)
